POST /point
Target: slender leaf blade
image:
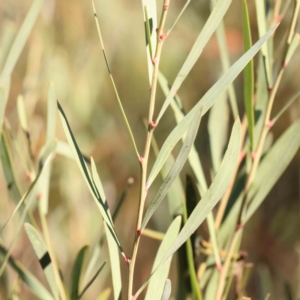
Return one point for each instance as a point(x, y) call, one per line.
point(43, 256)
point(157, 281)
point(209, 28)
point(112, 245)
point(218, 130)
point(206, 102)
point(167, 290)
point(20, 40)
point(28, 278)
point(175, 170)
point(214, 193)
point(97, 194)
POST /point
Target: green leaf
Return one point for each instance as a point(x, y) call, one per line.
point(214, 193)
point(22, 113)
point(211, 289)
point(261, 101)
point(209, 28)
point(43, 256)
point(150, 7)
point(175, 170)
point(95, 189)
point(28, 278)
point(206, 102)
point(280, 156)
point(157, 281)
point(167, 290)
point(12, 183)
point(76, 272)
point(20, 40)
point(265, 49)
point(225, 61)
point(113, 247)
point(218, 130)
point(248, 75)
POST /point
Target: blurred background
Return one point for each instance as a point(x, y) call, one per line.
point(64, 48)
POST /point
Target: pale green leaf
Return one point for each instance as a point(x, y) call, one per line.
point(261, 101)
point(12, 183)
point(150, 7)
point(262, 29)
point(206, 102)
point(292, 48)
point(218, 130)
point(20, 40)
point(214, 193)
point(98, 195)
point(167, 290)
point(169, 238)
point(225, 61)
point(209, 28)
point(22, 113)
point(29, 279)
point(43, 256)
point(175, 170)
point(280, 155)
point(157, 281)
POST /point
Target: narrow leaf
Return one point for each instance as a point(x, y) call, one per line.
point(113, 247)
point(206, 102)
point(97, 194)
point(29, 279)
point(225, 61)
point(248, 75)
point(167, 290)
point(175, 170)
point(262, 29)
point(209, 28)
point(43, 256)
point(150, 7)
point(157, 281)
point(292, 48)
point(20, 40)
point(280, 156)
point(218, 130)
point(169, 238)
point(76, 272)
point(214, 193)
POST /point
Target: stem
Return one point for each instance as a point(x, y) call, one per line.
point(144, 160)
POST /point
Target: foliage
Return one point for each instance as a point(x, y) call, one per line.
point(245, 167)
